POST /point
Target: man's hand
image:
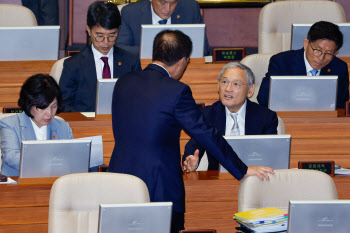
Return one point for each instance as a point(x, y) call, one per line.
point(190, 164)
point(259, 171)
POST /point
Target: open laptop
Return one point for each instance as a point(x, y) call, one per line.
point(104, 94)
point(303, 93)
point(29, 43)
point(195, 31)
point(299, 33)
point(152, 217)
point(319, 216)
point(54, 158)
point(261, 150)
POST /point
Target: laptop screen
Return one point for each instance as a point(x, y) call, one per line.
point(303, 93)
point(319, 216)
point(261, 150)
point(54, 158)
point(195, 31)
point(152, 217)
point(104, 95)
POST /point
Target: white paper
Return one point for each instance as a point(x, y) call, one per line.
point(88, 114)
point(9, 181)
point(342, 171)
point(96, 155)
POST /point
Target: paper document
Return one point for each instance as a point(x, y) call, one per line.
point(9, 181)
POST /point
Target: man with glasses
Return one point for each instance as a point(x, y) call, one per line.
point(101, 60)
point(235, 114)
point(323, 42)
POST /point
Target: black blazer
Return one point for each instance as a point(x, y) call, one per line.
point(149, 110)
point(258, 120)
point(78, 80)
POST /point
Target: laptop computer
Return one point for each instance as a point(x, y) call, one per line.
point(195, 31)
point(54, 158)
point(152, 217)
point(29, 43)
point(261, 150)
point(319, 216)
point(104, 95)
point(303, 93)
point(299, 33)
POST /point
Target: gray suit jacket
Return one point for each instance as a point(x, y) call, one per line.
point(17, 128)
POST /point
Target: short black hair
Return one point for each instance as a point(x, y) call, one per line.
point(103, 14)
point(326, 31)
point(39, 90)
point(171, 46)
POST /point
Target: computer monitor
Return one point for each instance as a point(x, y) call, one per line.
point(299, 33)
point(303, 93)
point(261, 150)
point(152, 217)
point(54, 158)
point(104, 94)
point(195, 31)
point(29, 43)
point(319, 216)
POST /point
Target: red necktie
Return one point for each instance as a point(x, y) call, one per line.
point(106, 73)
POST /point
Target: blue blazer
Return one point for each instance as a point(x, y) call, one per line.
point(258, 120)
point(79, 80)
point(292, 63)
point(147, 123)
point(17, 128)
point(135, 14)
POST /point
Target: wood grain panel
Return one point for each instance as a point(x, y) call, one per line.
point(222, 209)
point(9, 94)
point(24, 228)
point(27, 215)
point(320, 146)
point(227, 225)
point(318, 130)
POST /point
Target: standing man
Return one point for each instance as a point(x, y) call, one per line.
point(318, 57)
point(149, 109)
point(100, 60)
point(234, 113)
point(156, 12)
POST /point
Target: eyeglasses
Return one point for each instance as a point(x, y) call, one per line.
point(109, 38)
point(235, 84)
point(318, 53)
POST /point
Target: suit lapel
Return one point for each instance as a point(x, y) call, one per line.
point(26, 127)
point(220, 118)
point(118, 65)
point(146, 14)
point(176, 16)
point(250, 119)
point(51, 131)
point(88, 62)
point(327, 70)
point(298, 63)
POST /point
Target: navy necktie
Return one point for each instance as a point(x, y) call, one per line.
point(163, 21)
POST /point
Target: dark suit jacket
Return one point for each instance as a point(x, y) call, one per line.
point(258, 120)
point(149, 109)
point(78, 80)
point(135, 14)
point(292, 63)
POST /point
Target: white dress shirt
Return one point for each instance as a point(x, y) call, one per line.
point(40, 133)
point(99, 64)
point(309, 67)
point(240, 119)
point(156, 18)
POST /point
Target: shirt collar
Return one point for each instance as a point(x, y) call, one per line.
point(98, 55)
point(307, 64)
point(156, 18)
point(162, 67)
point(241, 112)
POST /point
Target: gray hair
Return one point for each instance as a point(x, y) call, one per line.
point(248, 72)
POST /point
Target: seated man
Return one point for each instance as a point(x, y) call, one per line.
point(235, 114)
point(156, 12)
point(316, 58)
point(100, 60)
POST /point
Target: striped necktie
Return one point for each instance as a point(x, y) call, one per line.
point(235, 127)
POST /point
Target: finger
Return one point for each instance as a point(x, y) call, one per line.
point(196, 153)
point(264, 174)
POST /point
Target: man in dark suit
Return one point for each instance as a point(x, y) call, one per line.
point(156, 12)
point(323, 42)
point(149, 109)
point(236, 85)
point(100, 60)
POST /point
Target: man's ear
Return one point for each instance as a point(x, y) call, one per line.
point(251, 90)
point(88, 30)
point(305, 43)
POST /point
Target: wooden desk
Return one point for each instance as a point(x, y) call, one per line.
point(210, 203)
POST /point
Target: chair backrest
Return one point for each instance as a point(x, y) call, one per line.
point(285, 185)
point(281, 129)
point(75, 199)
point(16, 16)
point(259, 64)
point(276, 19)
point(56, 70)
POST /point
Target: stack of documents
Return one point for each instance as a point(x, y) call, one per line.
point(263, 220)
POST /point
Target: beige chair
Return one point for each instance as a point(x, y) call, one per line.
point(16, 16)
point(276, 19)
point(285, 185)
point(259, 64)
point(75, 199)
point(56, 70)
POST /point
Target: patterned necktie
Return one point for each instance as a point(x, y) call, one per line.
point(106, 73)
point(235, 127)
point(163, 21)
point(313, 72)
